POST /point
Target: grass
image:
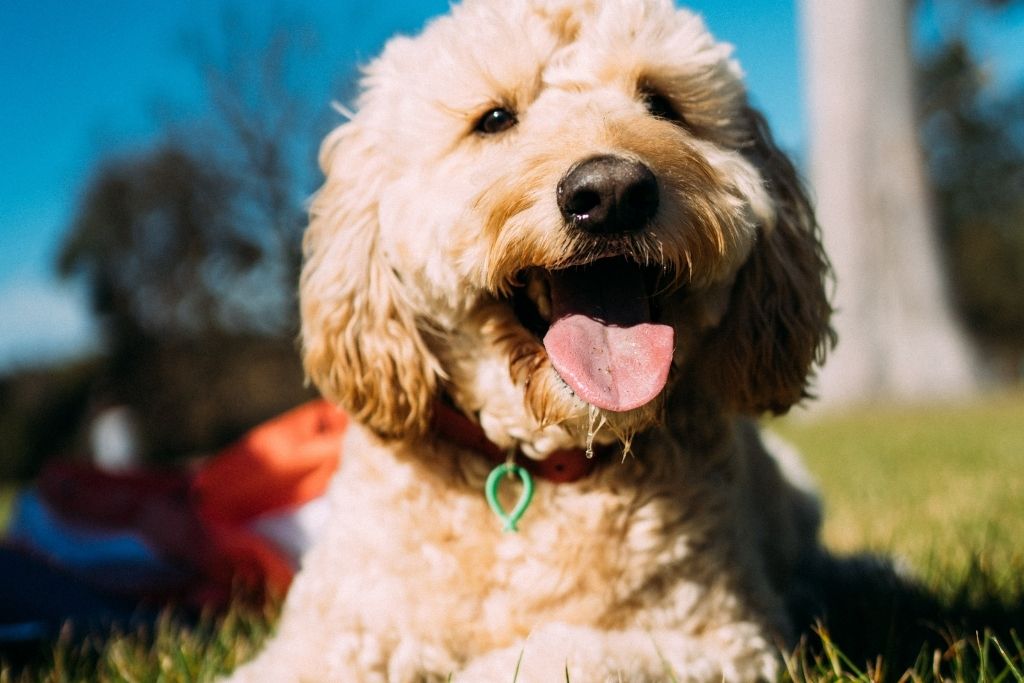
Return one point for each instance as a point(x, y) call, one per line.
point(982, 658)
point(169, 652)
point(6, 502)
point(937, 486)
point(941, 488)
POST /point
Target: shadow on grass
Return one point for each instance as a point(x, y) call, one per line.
point(884, 621)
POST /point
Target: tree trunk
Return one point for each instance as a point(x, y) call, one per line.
point(898, 338)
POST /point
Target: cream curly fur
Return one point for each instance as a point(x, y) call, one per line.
point(678, 561)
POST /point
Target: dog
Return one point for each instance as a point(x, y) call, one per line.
point(556, 242)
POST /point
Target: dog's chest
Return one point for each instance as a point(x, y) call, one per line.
point(576, 559)
point(583, 550)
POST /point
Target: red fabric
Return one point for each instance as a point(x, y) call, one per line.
point(80, 491)
point(201, 519)
point(280, 464)
point(156, 506)
point(230, 558)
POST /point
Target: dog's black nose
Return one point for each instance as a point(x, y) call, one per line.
point(608, 194)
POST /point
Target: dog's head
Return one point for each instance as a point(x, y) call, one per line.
point(556, 210)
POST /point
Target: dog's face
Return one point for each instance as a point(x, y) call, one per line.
point(555, 212)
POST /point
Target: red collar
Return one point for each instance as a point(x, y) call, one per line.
point(561, 467)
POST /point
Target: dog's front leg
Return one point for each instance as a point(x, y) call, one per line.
point(348, 657)
point(738, 652)
point(291, 658)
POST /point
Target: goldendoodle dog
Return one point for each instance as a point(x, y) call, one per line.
point(556, 251)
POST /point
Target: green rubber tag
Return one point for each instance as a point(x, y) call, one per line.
point(494, 480)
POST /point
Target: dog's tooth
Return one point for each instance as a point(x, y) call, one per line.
point(539, 291)
point(544, 307)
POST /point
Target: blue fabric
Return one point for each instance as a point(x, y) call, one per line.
point(72, 546)
point(37, 599)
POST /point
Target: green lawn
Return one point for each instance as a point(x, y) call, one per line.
point(941, 488)
point(937, 486)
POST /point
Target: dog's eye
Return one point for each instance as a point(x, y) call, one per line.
point(660, 106)
point(495, 121)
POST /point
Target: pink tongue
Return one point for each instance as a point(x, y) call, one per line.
point(602, 342)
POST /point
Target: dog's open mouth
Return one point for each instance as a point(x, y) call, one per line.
point(597, 323)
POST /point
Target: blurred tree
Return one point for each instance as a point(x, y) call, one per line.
point(262, 132)
point(158, 247)
point(897, 335)
point(888, 216)
point(36, 409)
point(974, 139)
point(191, 250)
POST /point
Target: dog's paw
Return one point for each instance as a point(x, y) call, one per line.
point(556, 652)
point(497, 665)
point(414, 661)
point(550, 653)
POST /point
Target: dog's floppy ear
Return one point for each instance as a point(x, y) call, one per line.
point(777, 324)
point(361, 345)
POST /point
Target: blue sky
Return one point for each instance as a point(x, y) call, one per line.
point(82, 80)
